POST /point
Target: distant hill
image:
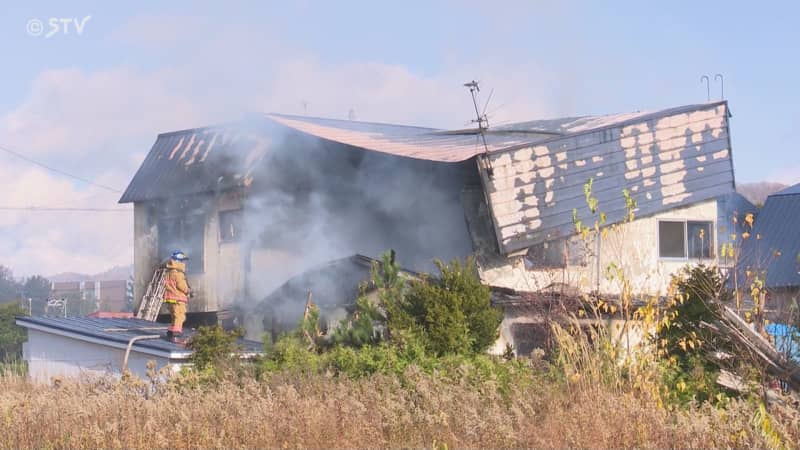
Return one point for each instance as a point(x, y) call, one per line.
point(758, 192)
point(114, 273)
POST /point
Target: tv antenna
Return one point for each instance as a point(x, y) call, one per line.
point(708, 86)
point(482, 121)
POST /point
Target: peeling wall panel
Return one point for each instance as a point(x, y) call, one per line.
point(666, 161)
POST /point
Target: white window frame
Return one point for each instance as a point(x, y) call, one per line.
point(686, 257)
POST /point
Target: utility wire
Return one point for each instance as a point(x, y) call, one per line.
point(58, 171)
point(65, 209)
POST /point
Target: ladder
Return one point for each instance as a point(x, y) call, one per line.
point(153, 297)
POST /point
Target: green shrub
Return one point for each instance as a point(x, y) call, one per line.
point(453, 312)
point(11, 335)
point(292, 353)
point(212, 346)
point(689, 368)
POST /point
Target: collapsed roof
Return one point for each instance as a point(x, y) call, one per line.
point(533, 174)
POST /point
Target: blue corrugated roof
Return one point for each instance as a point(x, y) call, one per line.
point(791, 190)
point(778, 226)
point(119, 331)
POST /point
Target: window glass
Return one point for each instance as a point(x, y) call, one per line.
point(230, 225)
point(700, 239)
point(671, 239)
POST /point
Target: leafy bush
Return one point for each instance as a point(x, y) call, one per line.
point(213, 347)
point(451, 314)
point(690, 368)
point(11, 335)
point(454, 311)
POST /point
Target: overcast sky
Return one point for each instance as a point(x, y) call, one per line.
point(92, 103)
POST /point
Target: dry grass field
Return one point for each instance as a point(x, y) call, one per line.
point(319, 411)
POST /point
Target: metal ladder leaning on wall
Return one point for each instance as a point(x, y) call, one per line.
point(153, 297)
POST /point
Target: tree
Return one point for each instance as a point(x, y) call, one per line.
point(37, 288)
point(449, 314)
point(11, 335)
point(454, 311)
point(9, 288)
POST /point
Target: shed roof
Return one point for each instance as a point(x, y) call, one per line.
point(777, 226)
point(117, 333)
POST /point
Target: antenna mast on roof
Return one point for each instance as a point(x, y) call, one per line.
point(483, 123)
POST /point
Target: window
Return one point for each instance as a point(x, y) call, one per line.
point(685, 239)
point(185, 234)
point(230, 225)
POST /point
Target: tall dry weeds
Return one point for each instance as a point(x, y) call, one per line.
point(324, 412)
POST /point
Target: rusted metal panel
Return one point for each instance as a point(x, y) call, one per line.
point(666, 160)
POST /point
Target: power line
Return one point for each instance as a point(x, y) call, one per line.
point(58, 171)
point(57, 209)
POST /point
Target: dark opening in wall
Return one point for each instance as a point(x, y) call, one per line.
point(185, 234)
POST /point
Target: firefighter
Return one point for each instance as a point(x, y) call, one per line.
point(176, 293)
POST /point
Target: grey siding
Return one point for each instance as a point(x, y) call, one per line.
point(666, 160)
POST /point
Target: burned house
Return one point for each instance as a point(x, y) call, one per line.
point(253, 203)
point(256, 202)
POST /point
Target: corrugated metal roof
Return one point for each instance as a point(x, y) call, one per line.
point(778, 225)
point(103, 329)
point(791, 190)
point(199, 160)
point(411, 142)
point(666, 159)
point(455, 145)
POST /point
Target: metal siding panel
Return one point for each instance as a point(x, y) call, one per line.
point(675, 160)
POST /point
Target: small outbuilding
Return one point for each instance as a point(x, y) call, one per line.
point(78, 346)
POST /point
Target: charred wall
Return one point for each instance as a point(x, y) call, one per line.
point(317, 201)
point(309, 202)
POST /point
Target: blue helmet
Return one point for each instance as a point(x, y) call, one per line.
point(178, 255)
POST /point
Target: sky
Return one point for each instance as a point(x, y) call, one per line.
point(87, 86)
